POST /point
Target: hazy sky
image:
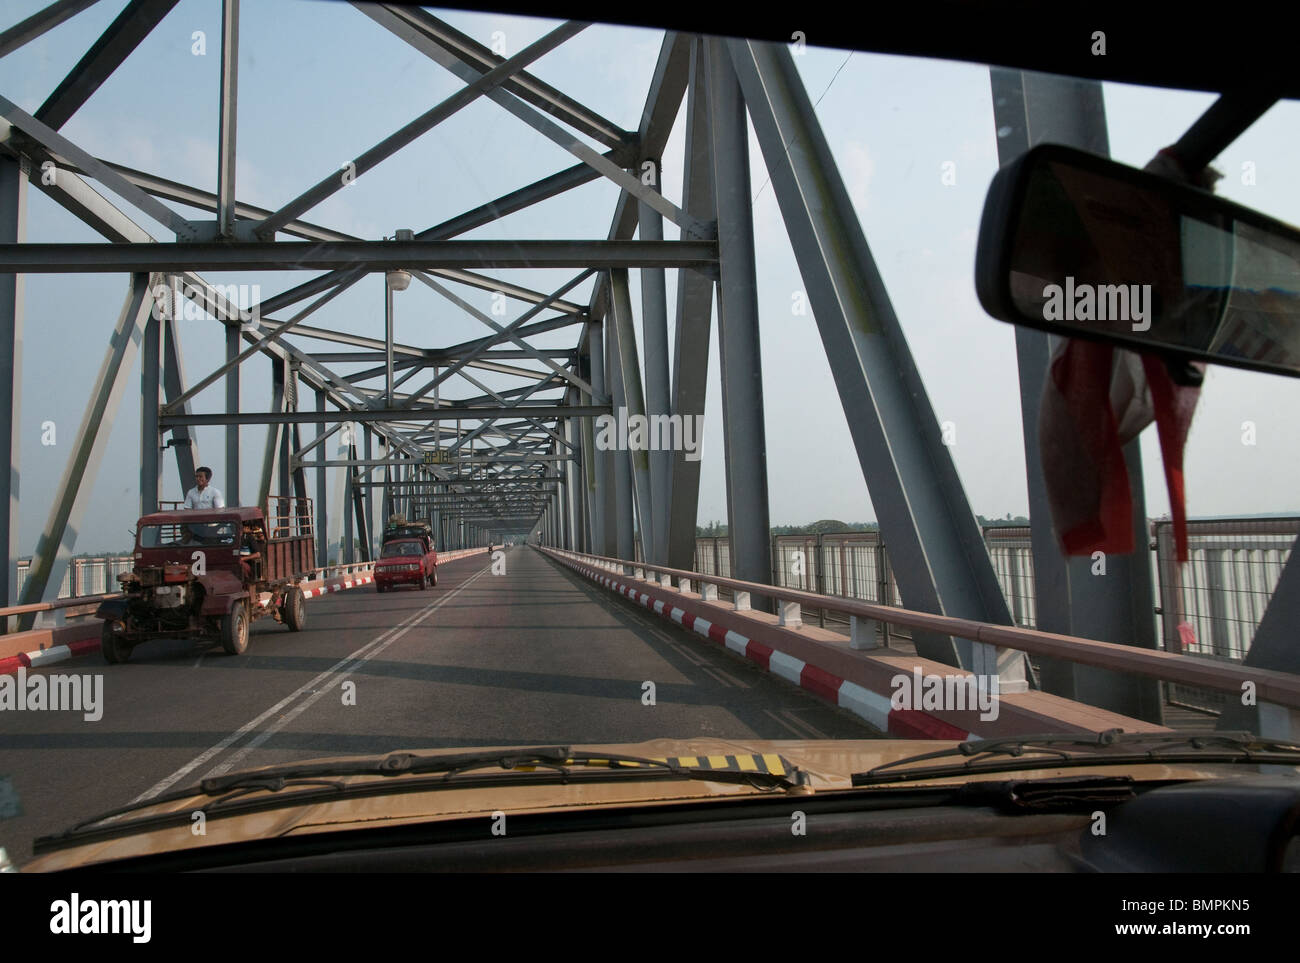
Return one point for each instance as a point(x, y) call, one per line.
point(320, 82)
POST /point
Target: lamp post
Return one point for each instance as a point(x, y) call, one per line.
point(394, 280)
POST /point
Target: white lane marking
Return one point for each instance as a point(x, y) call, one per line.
point(360, 655)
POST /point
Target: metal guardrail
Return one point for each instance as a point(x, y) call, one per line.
point(1209, 607)
point(1279, 688)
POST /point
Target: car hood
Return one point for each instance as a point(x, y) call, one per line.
point(828, 765)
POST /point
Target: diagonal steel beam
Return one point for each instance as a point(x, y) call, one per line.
point(538, 93)
point(939, 557)
point(60, 146)
point(533, 193)
point(539, 123)
point(694, 322)
point(509, 330)
point(55, 545)
point(261, 342)
point(390, 145)
point(475, 312)
point(25, 31)
point(114, 45)
point(662, 104)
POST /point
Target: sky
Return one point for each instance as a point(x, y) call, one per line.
point(319, 82)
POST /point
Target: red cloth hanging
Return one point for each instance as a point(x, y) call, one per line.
point(1096, 399)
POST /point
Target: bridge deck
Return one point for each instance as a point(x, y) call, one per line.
point(535, 656)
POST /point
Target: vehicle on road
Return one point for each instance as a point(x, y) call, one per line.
point(408, 555)
point(406, 561)
point(209, 574)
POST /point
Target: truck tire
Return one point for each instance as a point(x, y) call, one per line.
point(379, 587)
point(295, 610)
point(115, 648)
point(234, 630)
point(433, 578)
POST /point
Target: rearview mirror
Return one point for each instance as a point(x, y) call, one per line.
point(1082, 246)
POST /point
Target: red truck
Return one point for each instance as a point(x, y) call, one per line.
point(209, 573)
point(408, 557)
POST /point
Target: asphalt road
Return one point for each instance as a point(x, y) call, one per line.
point(535, 656)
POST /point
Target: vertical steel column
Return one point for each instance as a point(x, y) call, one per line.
point(934, 541)
point(322, 508)
point(232, 404)
point(282, 443)
point(350, 473)
point(624, 539)
point(369, 496)
point(654, 341)
point(694, 324)
point(150, 396)
point(1117, 606)
point(54, 548)
point(744, 437)
point(273, 434)
point(183, 441)
point(387, 496)
point(629, 378)
point(13, 230)
point(388, 341)
point(227, 112)
point(603, 510)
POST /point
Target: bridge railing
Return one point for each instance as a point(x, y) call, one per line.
point(1278, 688)
point(1209, 607)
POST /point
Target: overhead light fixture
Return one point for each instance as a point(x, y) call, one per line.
point(399, 280)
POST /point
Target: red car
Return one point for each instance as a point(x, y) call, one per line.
point(406, 561)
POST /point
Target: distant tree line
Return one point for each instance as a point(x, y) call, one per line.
point(829, 526)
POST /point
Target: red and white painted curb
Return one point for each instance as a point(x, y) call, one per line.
point(59, 653)
point(873, 707)
point(55, 653)
point(347, 583)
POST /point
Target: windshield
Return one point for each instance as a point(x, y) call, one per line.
point(690, 385)
point(394, 549)
point(187, 533)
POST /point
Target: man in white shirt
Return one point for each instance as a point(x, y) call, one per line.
point(203, 495)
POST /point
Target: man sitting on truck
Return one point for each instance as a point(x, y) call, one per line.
point(203, 495)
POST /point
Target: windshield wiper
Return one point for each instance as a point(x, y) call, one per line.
point(1068, 750)
point(519, 763)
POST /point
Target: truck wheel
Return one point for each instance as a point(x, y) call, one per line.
point(433, 579)
point(295, 611)
point(115, 648)
point(379, 587)
point(234, 630)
